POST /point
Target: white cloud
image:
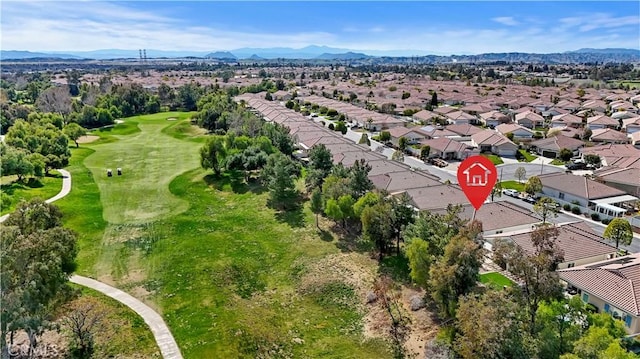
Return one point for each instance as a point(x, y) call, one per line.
point(78, 26)
point(506, 20)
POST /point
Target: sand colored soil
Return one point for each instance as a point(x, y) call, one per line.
point(87, 139)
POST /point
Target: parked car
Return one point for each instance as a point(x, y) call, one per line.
point(510, 192)
point(529, 199)
point(576, 166)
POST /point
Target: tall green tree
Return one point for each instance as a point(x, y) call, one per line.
point(316, 204)
point(424, 152)
point(546, 207)
point(74, 131)
point(403, 142)
point(359, 178)
point(377, 226)
point(402, 215)
point(533, 185)
point(279, 176)
point(619, 231)
point(456, 273)
point(561, 325)
point(213, 154)
point(320, 165)
point(37, 257)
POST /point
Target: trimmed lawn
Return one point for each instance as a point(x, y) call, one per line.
point(496, 160)
point(558, 162)
point(528, 157)
point(512, 185)
point(495, 280)
point(232, 277)
point(44, 188)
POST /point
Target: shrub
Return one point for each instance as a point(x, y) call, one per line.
point(332, 112)
point(576, 210)
point(606, 221)
point(595, 216)
point(331, 127)
point(566, 207)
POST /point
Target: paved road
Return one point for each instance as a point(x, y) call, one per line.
point(165, 341)
point(162, 334)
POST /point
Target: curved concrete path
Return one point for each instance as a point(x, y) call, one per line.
point(164, 339)
point(162, 334)
point(66, 188)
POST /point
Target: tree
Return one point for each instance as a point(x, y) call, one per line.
point(586, 134)
point(496, 191)
point(533, 185)
point(592, 159)
point(520, 174)
point(369, 199)
point(434, 100)
point(377, 226)
point(489, 327)
point(364, 139)
point(333, 210)
point(403, 142)
point(74, 131)
point(86, 316)
point(55, 99)
point(402, 215)
point(565, 154)
point(593, 343)
point(346, 203)
point(385, 136)
point(398, 156)
point(36, 260)
point(456, 273)
point(619, 231)
point(278, 175)
point(424, 152)
point(320, 164)
point(213, 154)
point(15, 161)
point(546, 207)
point(561, 325)
point(536, 270)
point(359, 178)
point(316, 204)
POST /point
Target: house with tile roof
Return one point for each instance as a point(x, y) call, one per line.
point(551, 146)
point(589, 195)
point(602, 121)
point(499, 217)
point(494, 142)
point(395, 182)
point(566, 119)
point(621, 156)
point(612, 286)
point(608, 135)
point(436, 197)
point(492, 119)
point(518, 131)
point(445, 148)
point(529, 119)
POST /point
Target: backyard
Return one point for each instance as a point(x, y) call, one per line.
point(495, 280)
point(231, 277)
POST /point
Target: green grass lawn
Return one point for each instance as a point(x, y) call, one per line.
point(495, 280)
point(512, 185)
point(528, 157)
point(45, 188)
point(231, 277)
point(496, 160)
point(558, 162)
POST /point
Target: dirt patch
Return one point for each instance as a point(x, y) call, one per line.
point(172, 119)
point(350, 268)
point(422, 328)
point(51, 345)
point(87, 139)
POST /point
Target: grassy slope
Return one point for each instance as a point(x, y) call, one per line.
point(230, 276)
point(45, 188)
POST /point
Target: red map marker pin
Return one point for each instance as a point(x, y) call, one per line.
point(476, 176)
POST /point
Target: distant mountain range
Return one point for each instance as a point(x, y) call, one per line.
point(331, 53)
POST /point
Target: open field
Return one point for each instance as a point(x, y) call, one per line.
point(45, 187)
point(231, 277)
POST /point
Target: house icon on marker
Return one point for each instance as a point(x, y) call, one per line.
point(477, 175)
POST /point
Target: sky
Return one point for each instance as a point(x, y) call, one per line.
point(453, 27)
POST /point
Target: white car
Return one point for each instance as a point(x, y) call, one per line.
point(510, 192)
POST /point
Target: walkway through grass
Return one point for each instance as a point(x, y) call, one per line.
point(231, 278)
